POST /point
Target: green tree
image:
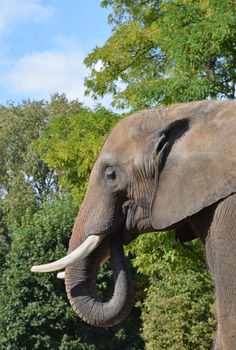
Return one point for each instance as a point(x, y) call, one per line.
point(166, 51)
point(26, 181)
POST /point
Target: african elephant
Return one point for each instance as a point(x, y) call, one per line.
point(158, 169)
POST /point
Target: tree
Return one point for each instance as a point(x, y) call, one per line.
point(165, 52)
point(26, 181)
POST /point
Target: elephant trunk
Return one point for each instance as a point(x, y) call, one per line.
point(80, 280)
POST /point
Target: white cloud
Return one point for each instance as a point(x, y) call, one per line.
point(40, 74)
point(43, 73)
point(14, 11)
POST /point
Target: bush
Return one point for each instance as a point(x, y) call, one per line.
point(178, 311)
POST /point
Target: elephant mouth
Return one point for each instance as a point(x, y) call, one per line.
point(128, 236)
point(137, 220)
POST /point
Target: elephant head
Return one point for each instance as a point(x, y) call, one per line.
point(156, 169)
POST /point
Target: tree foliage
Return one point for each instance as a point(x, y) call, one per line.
point(26, 181)
point(178, 311)
point(166, 51)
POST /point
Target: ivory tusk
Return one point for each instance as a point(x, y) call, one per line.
point(61, 275)
point(79, 253)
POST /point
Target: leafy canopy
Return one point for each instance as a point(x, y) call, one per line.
point(26, 181)
point(165, 52)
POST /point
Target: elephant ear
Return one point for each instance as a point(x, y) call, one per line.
point(196, 167)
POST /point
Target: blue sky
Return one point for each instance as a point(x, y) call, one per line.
point(43, 44)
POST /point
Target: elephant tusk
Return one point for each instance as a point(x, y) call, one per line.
point(61, 275)
point(79, 253)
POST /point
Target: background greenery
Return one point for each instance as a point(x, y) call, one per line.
point(159, 52)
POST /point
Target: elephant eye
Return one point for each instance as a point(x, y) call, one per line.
point(110, 175)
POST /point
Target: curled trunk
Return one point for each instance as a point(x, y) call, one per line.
point(80, 280)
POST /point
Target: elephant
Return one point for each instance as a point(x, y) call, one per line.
point(168, 168)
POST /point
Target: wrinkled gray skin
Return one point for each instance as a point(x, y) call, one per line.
point(168, 168)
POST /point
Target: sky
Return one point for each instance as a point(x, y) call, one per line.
point(43, 44)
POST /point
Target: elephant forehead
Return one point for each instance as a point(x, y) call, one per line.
point(118, 152)
point(121, 144)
